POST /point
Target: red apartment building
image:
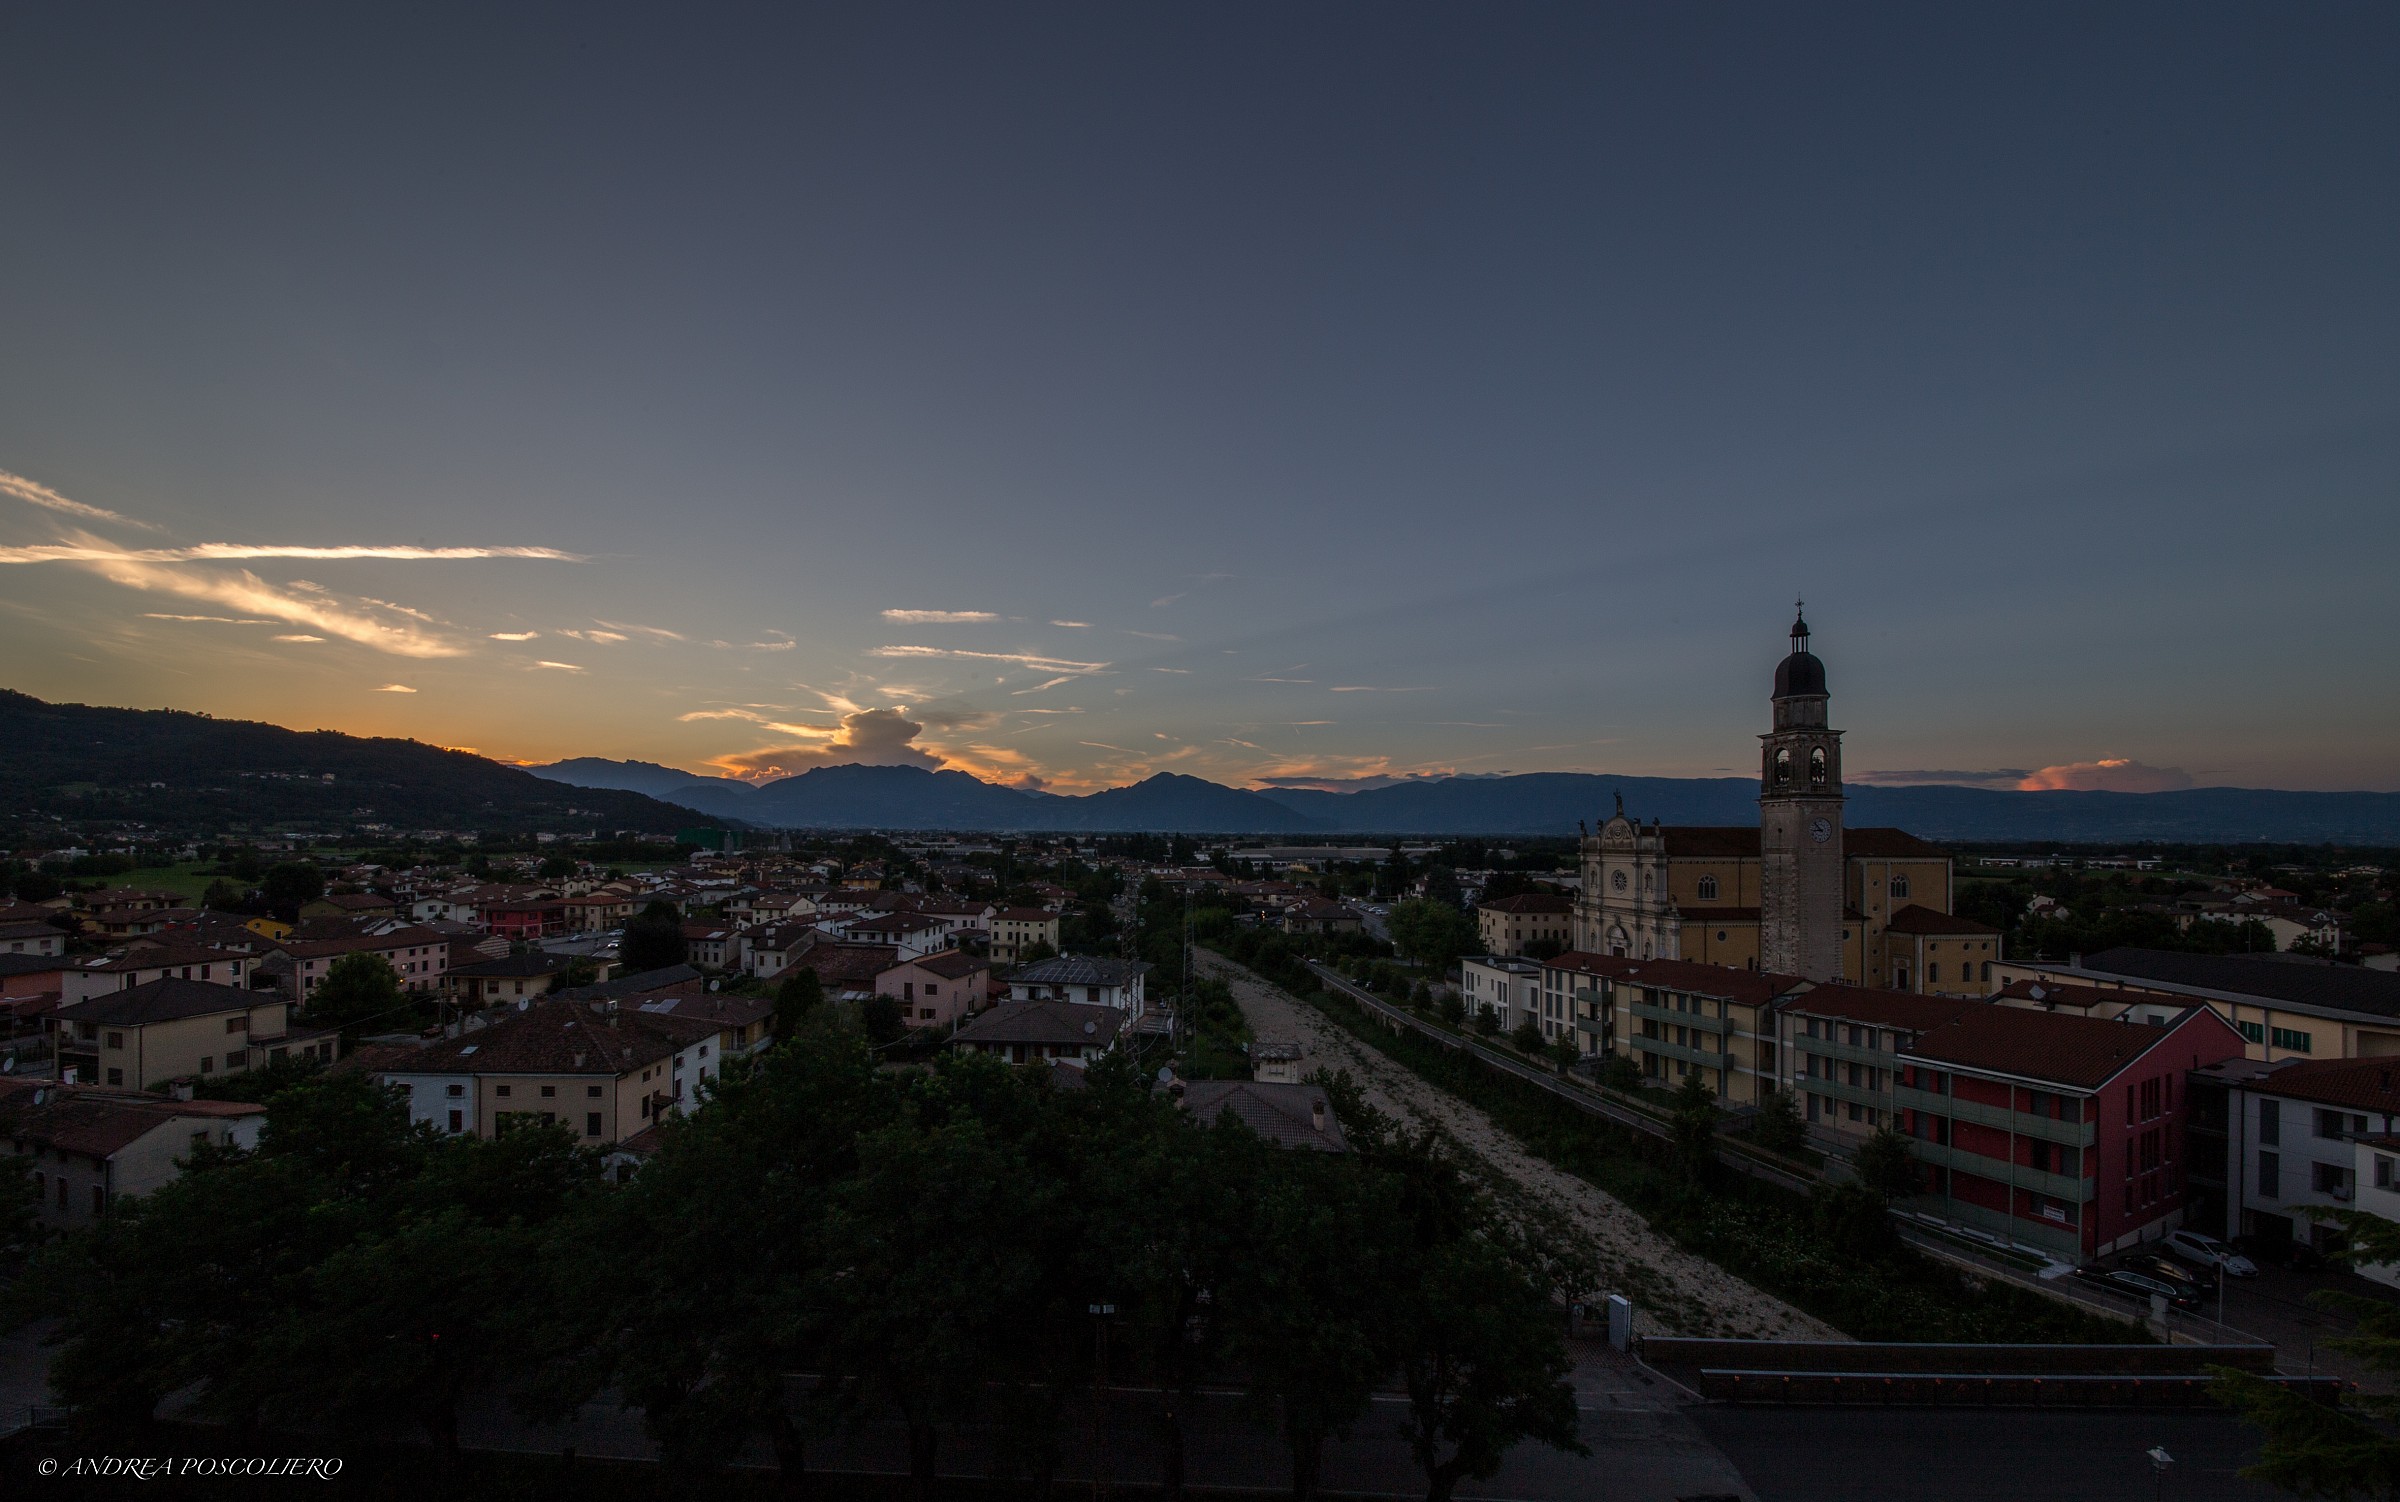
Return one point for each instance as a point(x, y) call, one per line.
point(2057, 1131)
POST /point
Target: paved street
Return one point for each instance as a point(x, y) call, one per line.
point(1981, 1455)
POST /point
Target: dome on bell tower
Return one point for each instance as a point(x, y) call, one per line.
point(1800, 673)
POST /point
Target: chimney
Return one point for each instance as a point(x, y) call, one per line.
point(1316, 1113)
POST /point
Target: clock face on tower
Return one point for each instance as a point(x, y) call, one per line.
point(1821, 830)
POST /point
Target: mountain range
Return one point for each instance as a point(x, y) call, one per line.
point(167, 768)
point(1538, 803)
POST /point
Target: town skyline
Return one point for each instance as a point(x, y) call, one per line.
point(1455, 396)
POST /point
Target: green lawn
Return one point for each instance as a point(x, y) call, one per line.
point(185, 878)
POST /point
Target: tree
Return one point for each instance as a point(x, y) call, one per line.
point(1692, 1132)
point(1487, 1022)
point(801, 993)
point(1563, 1052)
point(653, 939)
point(1619, 1072)
point(1886, 1165)
point(1431, 933)
point(1544, 949)
point(1779, 1128)
point(2349, 1448)
point(359, 989)
point(1483, 1363)
point(1039, 949)
point(880, 1017)
point(1441, 885)
point(1452, 1010)
point(1528, 1037)
point(556, 868)
point(225, 897)
point(291, 885)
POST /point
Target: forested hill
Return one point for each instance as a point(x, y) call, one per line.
point(191, 772)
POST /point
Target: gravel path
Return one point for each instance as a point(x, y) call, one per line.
point(1673, 1292)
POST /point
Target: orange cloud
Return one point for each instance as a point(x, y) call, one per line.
point(867, 737)
point(2110, 774)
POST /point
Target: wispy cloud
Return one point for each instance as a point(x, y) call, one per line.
point(1170, 670)
point(1044, 685)
point(93, 550)
point(1154, 635)
point(661, 633)
point(33, 493)
point(395, 688)
point(214, 620)
point(604, 638)
point(299, 636)
point(514, 635)
point(249, 595)
point(1369, 688)
point(1074, 625)
point(563, 667)
point(1021, 659)
point(939, 617)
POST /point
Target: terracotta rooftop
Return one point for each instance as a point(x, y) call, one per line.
point(1901, 1009)
point(1044, 1023)
point(2059, 1047)
point(1285, 1115)
point(1914, 919)
point(1530, 903)
point(166, 1000)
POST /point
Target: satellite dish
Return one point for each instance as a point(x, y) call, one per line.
point(1090, 1028)
point(1166, 1072)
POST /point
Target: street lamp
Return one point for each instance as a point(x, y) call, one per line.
point(2160, 1460)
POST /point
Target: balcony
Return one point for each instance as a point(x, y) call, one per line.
point(1848, 1052)
point(2048, 1129)
point(1858, 1094)
point(1672, 1018)
point(2056, 1185)
point(1667, 1048)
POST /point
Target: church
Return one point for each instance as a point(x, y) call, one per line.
point(1797, 895)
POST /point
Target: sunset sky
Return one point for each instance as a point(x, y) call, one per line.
point(1074, 392)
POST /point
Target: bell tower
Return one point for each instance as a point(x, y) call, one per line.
point(1800, 824)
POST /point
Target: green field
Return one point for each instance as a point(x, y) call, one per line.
point(185, 878)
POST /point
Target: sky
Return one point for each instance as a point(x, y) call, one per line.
point(1271, 393)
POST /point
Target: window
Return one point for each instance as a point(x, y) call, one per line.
point(1783, 766)
point(2330, 1178)
point(2284, 1037)
point(2252, 1032)
point(456, 1124)
point(502, 1091)
point(591, 1123)
point(1816, 767)
point(2270, 1175)
point(116, 1076)
point(116, 1040)
point(1899, 889)
point(1987, 969)
point(208, 1063)
point(1933, 972)
point(2383, 1172)
point(239, 1024)
point(1708, 891)
point(591, 1092)
point(549, 1091)
point(2270, 1122)
point(458, 1090)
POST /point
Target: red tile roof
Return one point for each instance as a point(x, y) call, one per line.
point(1901, 1009)
point(2056, 1047)
point(1531, 903)
point(1914, 919)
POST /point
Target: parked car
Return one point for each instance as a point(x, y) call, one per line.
point(2143, 1287)
point(2168, 1270)
point(2207, 1251)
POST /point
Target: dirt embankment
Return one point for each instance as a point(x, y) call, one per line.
point(1674, 1292)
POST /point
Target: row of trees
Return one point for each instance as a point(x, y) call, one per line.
point(927, 1243)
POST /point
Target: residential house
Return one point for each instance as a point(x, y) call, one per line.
point(2277, 1140)
point(2376, 1168)
point(1294, 1115)
point(1673, 1017)
point(1939, 954)
point(1015, 930)
point(175, 1029)
point(419, 957)
point(745, 1024)
point(606, 1072)
point(1508, 924)
point(716, 946)
point(936, 990)
point(768, 951)
point(910, 933)
point(32, 936)
point(1509, 989)
point(1318, 915)
point(1116, 984)
point(1062, 1032)
point(1841, 1052)
point(508, 978)
point(149, 962)
point(2056, 1131)
point(94, 1148)
point(349, 905)
point(848, 971)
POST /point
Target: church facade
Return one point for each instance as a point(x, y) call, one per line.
point(1798, 895)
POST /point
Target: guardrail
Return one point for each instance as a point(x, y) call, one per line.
point(1980, 1390)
